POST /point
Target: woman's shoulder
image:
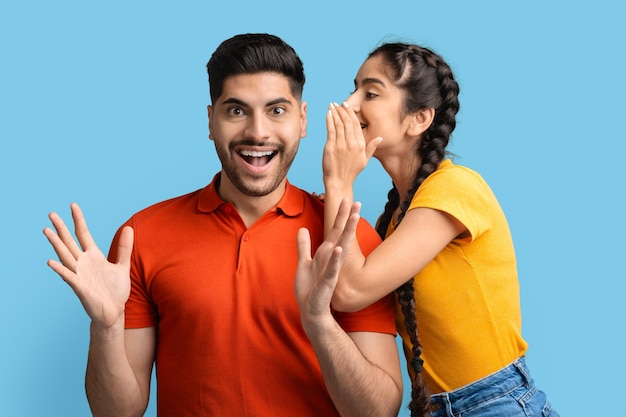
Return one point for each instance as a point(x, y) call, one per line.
point(454, 173)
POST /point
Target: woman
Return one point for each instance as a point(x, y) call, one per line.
point(447, 249)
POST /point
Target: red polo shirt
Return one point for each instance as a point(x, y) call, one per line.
point(229, 338)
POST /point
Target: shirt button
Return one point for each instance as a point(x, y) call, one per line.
point(246, 238)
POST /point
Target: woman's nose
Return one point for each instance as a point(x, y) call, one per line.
point(353, 102)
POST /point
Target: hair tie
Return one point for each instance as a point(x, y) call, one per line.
point(417, 364)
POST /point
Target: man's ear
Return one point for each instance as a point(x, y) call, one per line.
point(210, 114)
point(420, 121)
point(303, 120)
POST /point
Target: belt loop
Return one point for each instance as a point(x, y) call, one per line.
point(448, 405)
point(441, 405)
point(520, 364)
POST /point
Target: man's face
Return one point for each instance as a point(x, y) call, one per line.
point(256, 125)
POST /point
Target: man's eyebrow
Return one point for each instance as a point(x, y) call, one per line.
point(233, 100)
point(278, 101)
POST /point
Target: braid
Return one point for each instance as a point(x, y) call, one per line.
point(428, 83)
point(420, 395)
point(393, 200)
point(432, 146)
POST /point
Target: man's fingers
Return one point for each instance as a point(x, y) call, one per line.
point(333, 266)
point(67, 275)
point(349, 231)
point(355, 208)
point(323, 288)
point(125, 246)
point(346, 221)
point(302, 279)
point(80, 227)
point(64, 235)
point(304, 244)
point(66, 257)
point(343, 212)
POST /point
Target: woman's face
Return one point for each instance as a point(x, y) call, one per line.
point(378, 105)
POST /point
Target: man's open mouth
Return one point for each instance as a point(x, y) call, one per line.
point(257, 158)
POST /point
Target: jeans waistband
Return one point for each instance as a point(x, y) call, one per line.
point(499, 383)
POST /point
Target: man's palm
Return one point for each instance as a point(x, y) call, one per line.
point(102, 287)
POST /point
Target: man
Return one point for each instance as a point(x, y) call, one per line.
point(210, 298)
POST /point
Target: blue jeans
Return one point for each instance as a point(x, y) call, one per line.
point(509, 392)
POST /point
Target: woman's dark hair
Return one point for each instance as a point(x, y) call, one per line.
point(252, 53)
point(427, 82)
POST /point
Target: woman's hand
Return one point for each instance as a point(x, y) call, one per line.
point(319, 196)
point(346, 153)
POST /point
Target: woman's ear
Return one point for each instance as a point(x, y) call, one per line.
point(420, 121)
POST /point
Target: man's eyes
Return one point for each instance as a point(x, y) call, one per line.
point(238, 111)
point(235, 111)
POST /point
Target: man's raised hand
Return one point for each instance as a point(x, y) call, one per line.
point(102, 287)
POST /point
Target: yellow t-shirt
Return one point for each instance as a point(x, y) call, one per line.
point(467, 298)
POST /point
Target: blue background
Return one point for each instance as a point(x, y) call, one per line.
point(104, 103)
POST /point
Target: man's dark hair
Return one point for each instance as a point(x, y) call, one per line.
point(253, 53)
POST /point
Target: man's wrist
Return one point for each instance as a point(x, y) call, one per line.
point(105, 331)
point(319, 326)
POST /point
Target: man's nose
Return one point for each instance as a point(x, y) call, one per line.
point(257, 127)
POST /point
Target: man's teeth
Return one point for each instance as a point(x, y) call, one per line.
point(256, 154)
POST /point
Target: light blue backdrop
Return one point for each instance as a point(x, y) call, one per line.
point(105, 104)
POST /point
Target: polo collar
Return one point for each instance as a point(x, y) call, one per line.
point(291, 203)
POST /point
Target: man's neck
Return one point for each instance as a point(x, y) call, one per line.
point(250, 208)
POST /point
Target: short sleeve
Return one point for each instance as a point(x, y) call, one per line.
point(139, 311)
